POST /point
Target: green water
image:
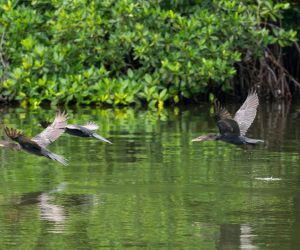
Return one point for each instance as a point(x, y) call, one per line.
point(153, 188)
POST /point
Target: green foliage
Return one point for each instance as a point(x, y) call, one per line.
point(124, 51)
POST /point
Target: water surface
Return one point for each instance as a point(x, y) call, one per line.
point(153, 187)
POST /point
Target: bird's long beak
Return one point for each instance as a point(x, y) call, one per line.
point(200, 138)
point(208, 137)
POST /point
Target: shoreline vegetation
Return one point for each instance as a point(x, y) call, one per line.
point(126, 52)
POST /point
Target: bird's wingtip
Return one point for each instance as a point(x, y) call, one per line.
point(11, 132)
point(252, 91)
point(62, 114)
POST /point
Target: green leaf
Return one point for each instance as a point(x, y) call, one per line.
point(28, 43)
point(148, 79)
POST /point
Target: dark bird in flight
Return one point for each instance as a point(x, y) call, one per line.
point(37, 145)
point(233, 130)
point(87, 130)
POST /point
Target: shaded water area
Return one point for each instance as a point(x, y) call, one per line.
point(153, 187)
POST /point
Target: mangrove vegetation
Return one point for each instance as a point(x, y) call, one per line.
point(122, 52)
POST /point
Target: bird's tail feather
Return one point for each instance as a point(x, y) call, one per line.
point(99, 137)
point(56, 157)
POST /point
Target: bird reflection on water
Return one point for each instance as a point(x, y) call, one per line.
point(49, 211)
point(53, 205)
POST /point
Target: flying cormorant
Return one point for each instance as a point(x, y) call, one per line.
point(37, 145)
point(233, 130)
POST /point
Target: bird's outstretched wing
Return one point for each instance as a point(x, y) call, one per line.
point(91, 126)
point(221, 112)
point(53, 131)
point(228, 127)
point(247, 112)
point(45, 123)
point(12, 133)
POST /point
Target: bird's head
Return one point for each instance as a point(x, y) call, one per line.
point(10, 145)
point(13, 133)
point(208, 137)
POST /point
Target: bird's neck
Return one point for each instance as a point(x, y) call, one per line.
point(218, 137)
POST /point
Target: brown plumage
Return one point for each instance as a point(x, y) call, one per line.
point(53, 131)
point(37, 145)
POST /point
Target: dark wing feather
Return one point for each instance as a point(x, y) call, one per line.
point(247, 112)
point(221, 112)
point(12, 133)
point(53, 131)
point(228, 127)
point(45, 124)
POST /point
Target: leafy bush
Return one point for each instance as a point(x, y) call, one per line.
point(124, 51)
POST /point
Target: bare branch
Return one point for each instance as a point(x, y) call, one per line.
point(1, 50)
point(274, 61)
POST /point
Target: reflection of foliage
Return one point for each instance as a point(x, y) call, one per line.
point(125, 51)
point(152, 187)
